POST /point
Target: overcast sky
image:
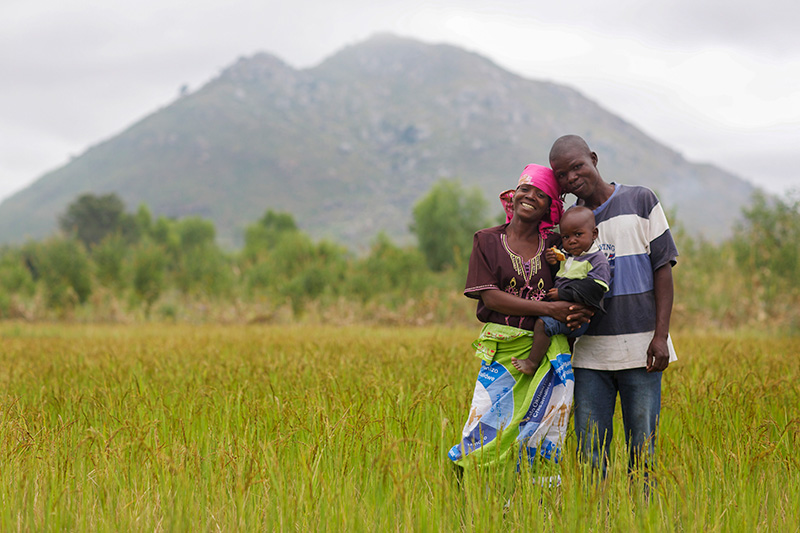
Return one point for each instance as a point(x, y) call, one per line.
point(717, 81)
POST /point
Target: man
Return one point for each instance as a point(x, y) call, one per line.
point(626, 349)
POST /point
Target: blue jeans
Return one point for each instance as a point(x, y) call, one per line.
point(595, 399)
point(553, 327)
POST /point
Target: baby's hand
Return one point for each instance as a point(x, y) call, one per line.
point(552, 295)
point(553, 255)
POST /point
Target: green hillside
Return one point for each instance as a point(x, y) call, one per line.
point(348, 146)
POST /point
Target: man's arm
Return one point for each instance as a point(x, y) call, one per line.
point(571, 313)
point(658, 352)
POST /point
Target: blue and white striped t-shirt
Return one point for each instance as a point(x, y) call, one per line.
point(634, 235)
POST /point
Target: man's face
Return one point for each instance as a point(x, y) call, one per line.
point(575, 169)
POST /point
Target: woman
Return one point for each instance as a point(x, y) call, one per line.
point(514, 415)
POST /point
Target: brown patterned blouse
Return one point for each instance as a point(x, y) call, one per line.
point(493, 265)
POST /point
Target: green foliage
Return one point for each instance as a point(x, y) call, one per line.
point(768, 242)
point(64, 268)
point(267, 232)
point(109, 261)
point(389, 271)
point(749, 280)
point(201, 267)
point(709, 284)
point(143, 220)
point(16, 278)
point(284, 262)
point(312, 270)
point(91, 218)
point(16, 275)
point(165, 233)
point(444, 222)
point(195, 233)
point(149, 269)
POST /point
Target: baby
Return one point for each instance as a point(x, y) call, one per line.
point(583, 278)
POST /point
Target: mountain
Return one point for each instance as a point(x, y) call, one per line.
point(350, 145)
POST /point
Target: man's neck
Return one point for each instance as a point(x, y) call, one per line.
point(601, 194)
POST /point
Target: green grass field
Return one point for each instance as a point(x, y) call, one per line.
point(260, 428)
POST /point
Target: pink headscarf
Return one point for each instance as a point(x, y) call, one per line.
point(543, 179)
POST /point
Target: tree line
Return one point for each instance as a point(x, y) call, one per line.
point(104, 256)
point(101, 250)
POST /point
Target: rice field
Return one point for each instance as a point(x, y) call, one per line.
point(276, 428)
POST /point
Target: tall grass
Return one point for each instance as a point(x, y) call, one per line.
point(228, 428)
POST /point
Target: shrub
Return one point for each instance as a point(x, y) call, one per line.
point(65, 271)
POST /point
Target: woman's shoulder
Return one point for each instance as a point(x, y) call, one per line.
point(489, 233)
point(553, 239)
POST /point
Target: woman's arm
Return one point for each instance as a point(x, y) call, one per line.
point(571, 313)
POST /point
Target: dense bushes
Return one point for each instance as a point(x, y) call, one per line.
point(282, 263)
point(752, 279)
point(141, 264)
point(444, 222)
point(175, 268)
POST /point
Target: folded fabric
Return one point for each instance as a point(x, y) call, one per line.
point(514, 415)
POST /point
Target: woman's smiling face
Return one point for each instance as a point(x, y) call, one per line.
point(531, 203)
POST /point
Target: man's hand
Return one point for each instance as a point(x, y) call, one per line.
point(657, 355)
point(657, 352)
point(574, 315)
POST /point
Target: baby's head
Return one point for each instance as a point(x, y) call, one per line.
point(578, 230)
